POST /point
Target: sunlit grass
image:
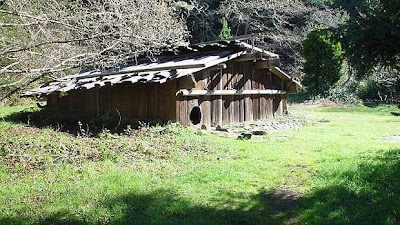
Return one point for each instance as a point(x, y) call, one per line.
point(215, 180)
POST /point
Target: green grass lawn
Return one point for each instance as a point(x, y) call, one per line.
point(334, 171)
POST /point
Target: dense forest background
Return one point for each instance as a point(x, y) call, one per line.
point(345, 50)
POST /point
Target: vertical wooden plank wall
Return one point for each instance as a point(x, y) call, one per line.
point(238, 76)
point(159, 101)
point(225, 99)
point(248, 103)
point(140, 101)
point(205, 102)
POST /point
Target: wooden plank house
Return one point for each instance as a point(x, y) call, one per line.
point(204, 84)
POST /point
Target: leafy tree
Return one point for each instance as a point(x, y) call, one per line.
point(323, 61)
point(319, 3)
point(225, 31)
point(372, 35)
point(282, 25)
point(382, 85)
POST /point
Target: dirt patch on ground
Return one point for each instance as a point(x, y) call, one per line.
point(297, 167)
point(285, 199)
point(279, 204)
point(395, 139)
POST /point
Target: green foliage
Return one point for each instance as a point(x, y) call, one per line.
point(63, 94)
point(366, 193)
point(225, 31)
point(319, 3)
point(323, 61)
point(372, 35)
point(381, 85)
point(343, 173)
point(40, 149)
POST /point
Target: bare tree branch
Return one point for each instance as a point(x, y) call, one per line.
point(56, 38)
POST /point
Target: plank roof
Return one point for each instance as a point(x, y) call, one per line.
point(172, 63)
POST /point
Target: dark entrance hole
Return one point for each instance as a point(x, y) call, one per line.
point(195, 115)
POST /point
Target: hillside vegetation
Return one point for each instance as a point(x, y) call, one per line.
point(44, 40)
point(337, 170)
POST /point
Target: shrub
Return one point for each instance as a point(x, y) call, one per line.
point(225, 31)
point(382, 85)
point(323, 62)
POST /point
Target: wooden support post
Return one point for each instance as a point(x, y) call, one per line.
point(220, 102)
point(97, 93)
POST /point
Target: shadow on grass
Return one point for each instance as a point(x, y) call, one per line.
point(298, 98)
point(368, 195)
point(163, 207)
point(374, 104)
point(75, 124)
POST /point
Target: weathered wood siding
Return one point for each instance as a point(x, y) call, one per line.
point(141, 101)
point(159, 101)
point(231, 109)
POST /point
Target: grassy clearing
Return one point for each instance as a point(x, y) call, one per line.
point(338, 167)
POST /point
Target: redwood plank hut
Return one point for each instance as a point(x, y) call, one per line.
point(203, 84)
